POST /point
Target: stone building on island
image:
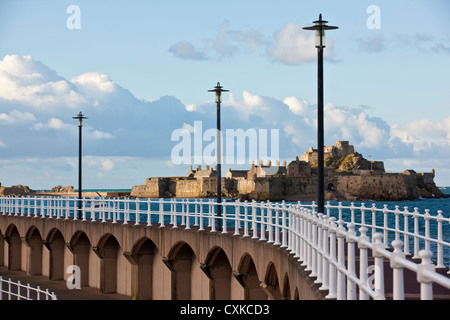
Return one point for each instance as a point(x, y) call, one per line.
point(348, 176)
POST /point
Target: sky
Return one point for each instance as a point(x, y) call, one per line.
point(140, 72)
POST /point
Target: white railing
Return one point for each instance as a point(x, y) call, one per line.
point(325, 244)
point(12, 290)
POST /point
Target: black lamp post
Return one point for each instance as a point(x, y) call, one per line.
point(320, 26)
point(80, 118)
point(218, 90)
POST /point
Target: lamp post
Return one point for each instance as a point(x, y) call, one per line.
point(320, 26)
point(80, 118)
point(218, 90)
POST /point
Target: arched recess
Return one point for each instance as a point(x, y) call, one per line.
point(80, 246)
point(248, 278)
point(180, 262)
point(296, 294)
point(2, 249)
point(34, 241)
point(271, 284)
point(12, 237)
point(142, 257)
point(286, 287)
point(108, 250)
point(218, 270)
point(56, 244)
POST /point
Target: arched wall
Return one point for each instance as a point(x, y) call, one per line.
point(140, 261)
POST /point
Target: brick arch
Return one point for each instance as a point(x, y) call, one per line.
point(80, 246)
point(271, 283)
point(180, 262)
point(142, 258)
point(109, 251)
point(2, 248)
point(247, 276)
point(217, 267)
point(56, 244)
point(286, 289)
point(14, 241)
point(34, 241)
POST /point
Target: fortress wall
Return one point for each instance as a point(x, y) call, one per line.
point(185, 188)
point(378, 187)
point(245, 186)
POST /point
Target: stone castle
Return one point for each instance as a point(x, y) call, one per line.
point(348, 176)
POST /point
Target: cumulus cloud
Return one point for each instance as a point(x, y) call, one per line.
point(16, 116)
point(424, 135)
point(125, 137)
point(25, 80)
point(298, 106)
point(293, 45)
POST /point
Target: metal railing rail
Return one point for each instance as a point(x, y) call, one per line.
point(15, 290)
point(317, 240)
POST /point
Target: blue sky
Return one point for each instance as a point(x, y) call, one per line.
point(141, 69)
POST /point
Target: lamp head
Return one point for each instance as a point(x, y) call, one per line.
point(320, 26)
point(80, 118)
point(218, 90)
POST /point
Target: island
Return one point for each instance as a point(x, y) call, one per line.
point(348, 177)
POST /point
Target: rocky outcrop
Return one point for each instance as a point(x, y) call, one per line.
point(18, 190)
point(62, 189)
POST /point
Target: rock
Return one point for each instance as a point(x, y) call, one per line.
point(18, 190)
point(62, 189)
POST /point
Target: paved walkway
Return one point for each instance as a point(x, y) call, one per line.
point(59, 287)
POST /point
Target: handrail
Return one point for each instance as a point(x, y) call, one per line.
point(14, 291)
point(317, 240)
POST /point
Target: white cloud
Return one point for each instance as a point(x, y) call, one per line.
point(27, 81)
point(298, 106)
point(53, 123)
point(96, 134)
point(424, 134)
point(16, 116)
point(186, 50)
point(107, 165)
point(293, 45)
point(94, 84)
point(122, 126)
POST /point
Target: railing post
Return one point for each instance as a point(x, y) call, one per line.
point(385, 223)
point(246, 219)
point(314, 252)
point(254, 229)
point(263, 224)
point(398, 281)
point(269, 224)
point(283, 225)
point(379, 269)
point(223, 216)
point(201, 217)
point(237, 209)
point(161, 212)
point(341, 288)
point(397, 223)
point(332, 260)
point(351, 286)
point(363, 262)
point(440, 249)
point(276, 226)
point(416, 233)
point(405, 230)
point(319, 253)
point(426, 285)
point(325, 254)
